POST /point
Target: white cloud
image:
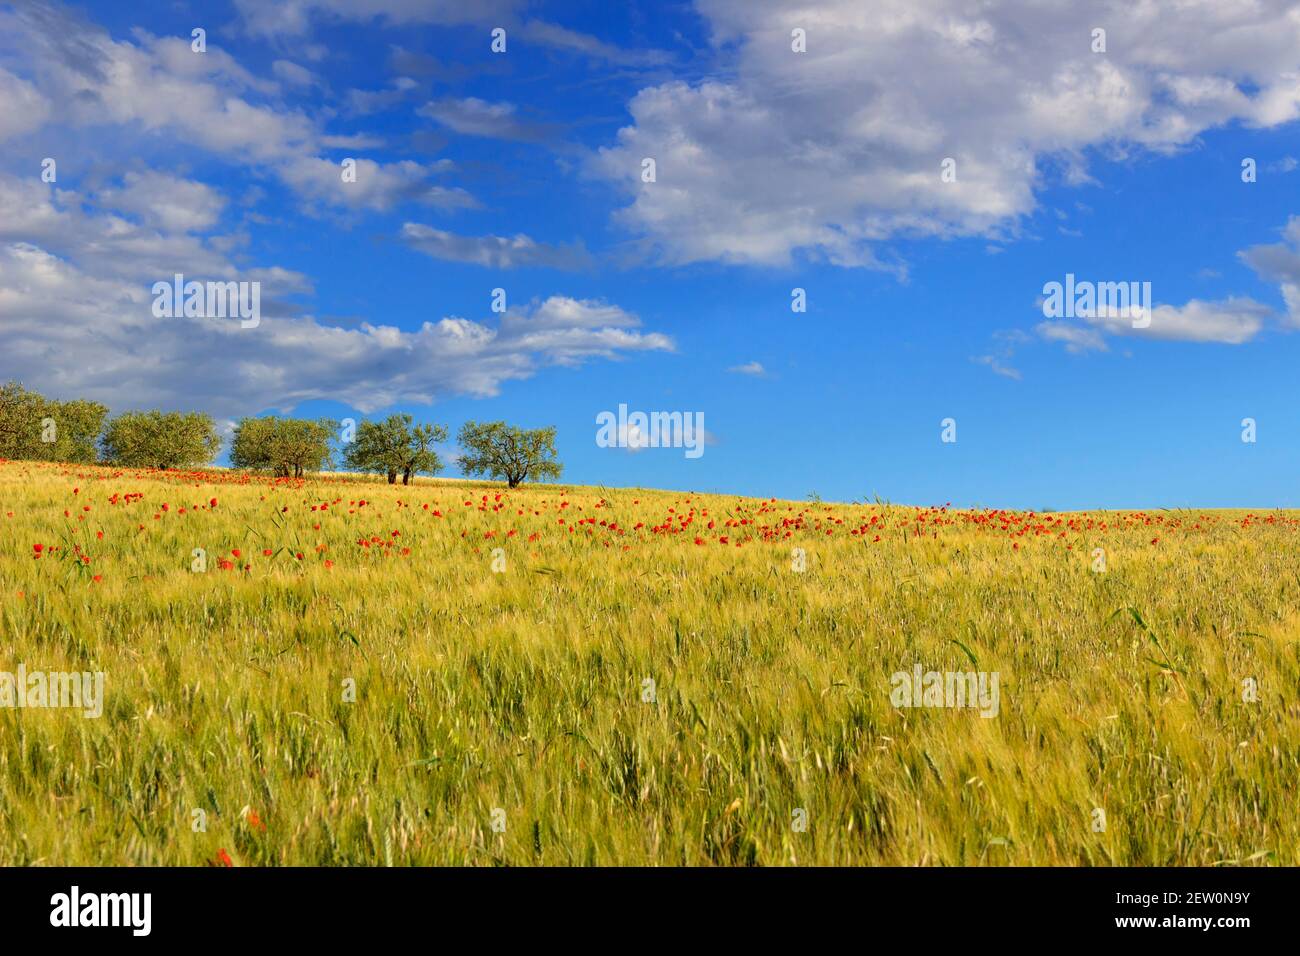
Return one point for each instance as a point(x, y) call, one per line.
point(105, 244)
point(70, 333)
point(749, 368)
point(25, 109)
point(294, 74)
point(1230, 321)
point(1076, 338)
point(830, 151)
point(561, 38)
point(156, 86)
point(1005, 343)
point(165, 202)
point(365, 102)
point(295, 16)
point(76, 309)
point(560, 313)
point(472, 116)
point(156, 93)
point(378, 186)
point(1280, 262)
point(498, 252)
point(998, 365)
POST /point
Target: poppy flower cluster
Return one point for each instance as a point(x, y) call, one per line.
point(299, 527)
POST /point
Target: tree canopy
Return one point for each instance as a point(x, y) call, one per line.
point(396, 446)
point(157, 439)
point(508, 452)
point(33, 427)
point(287, 447)
point(37, 428)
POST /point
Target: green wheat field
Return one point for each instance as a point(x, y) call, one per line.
point(454, 673)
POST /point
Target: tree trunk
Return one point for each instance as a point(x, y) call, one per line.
point(406, 477)
point(392, 476)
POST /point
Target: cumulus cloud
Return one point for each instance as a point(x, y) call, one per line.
point(101, 242)
point(559, 313)
point(472, 116)
point(1229, 321)
point(379, 186)
point(1076, 338)
point(498, 252)
point(70, 333)
point(77, 267)
point(831, 151)
point(294, 74)
point(76, 307)
point(156, 92)
point(1280, 262)
point(166, 202)
point(25, 109)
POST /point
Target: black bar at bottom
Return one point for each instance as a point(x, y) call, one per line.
point(334, 906)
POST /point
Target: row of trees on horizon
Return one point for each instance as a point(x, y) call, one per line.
point(36, 428)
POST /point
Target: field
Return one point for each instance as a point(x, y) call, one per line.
point(354, 674)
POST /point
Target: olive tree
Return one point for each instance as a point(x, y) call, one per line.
point(288, 447)
point(508, 452)
point(37, 428)
point(396, 446)
point(156, 439)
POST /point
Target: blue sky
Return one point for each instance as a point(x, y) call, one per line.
point(775, 170)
